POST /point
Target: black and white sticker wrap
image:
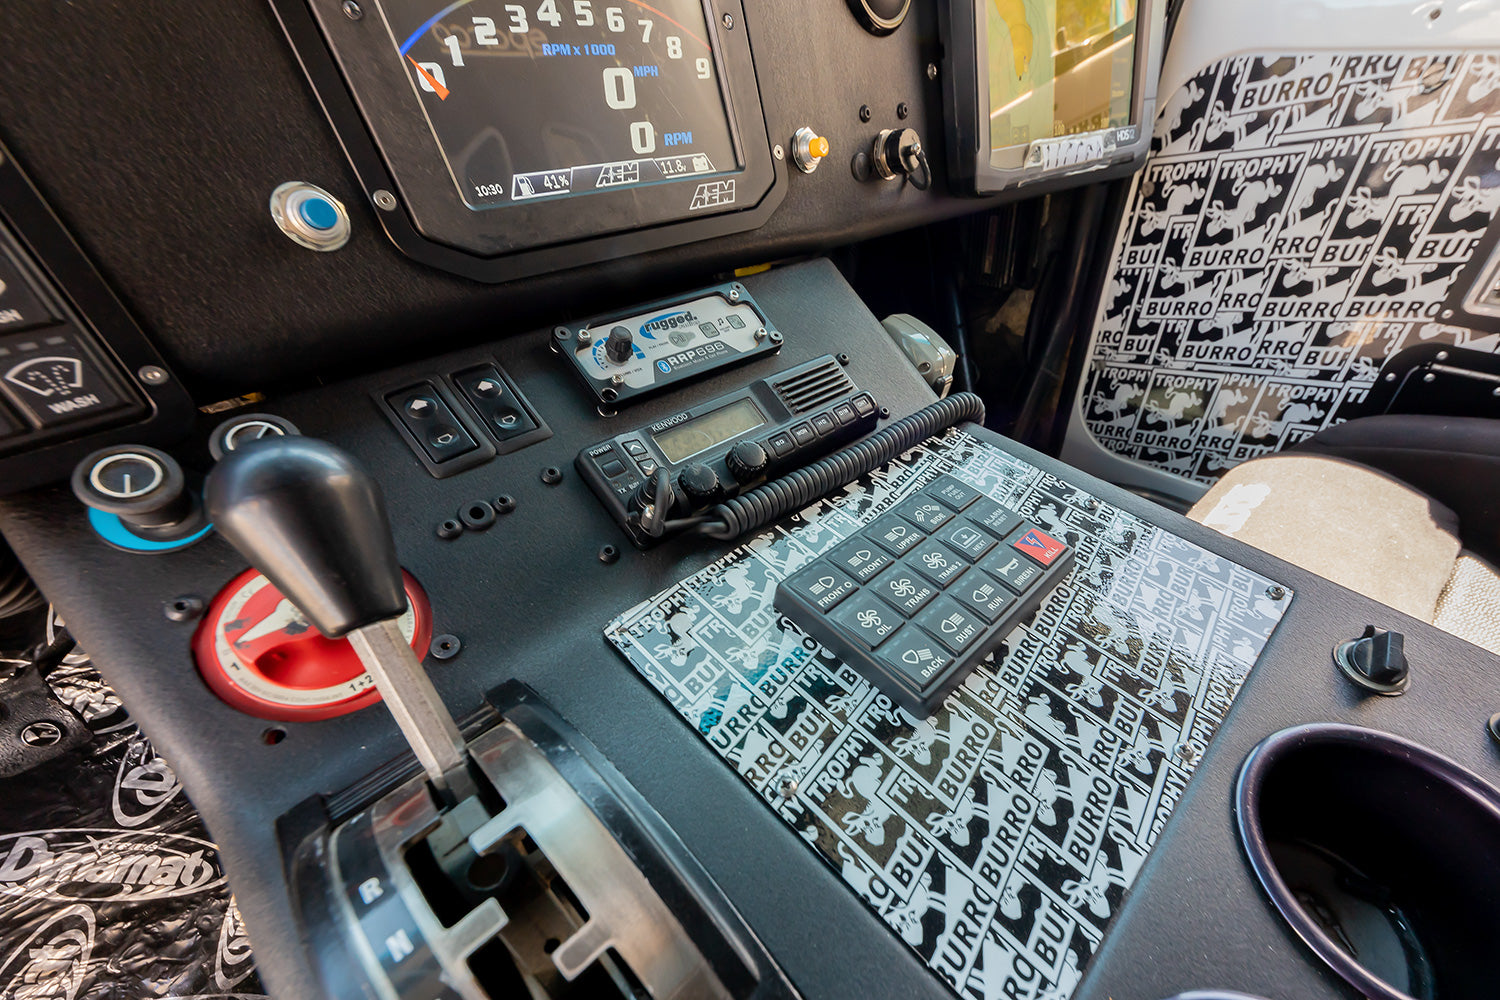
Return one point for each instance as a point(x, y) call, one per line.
point(997, 837)
point(1300, 220)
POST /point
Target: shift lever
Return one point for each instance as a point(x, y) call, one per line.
point(313, 523)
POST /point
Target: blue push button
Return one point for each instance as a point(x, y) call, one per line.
point(319, 213)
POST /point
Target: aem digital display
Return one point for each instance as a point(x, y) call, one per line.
point(548, 99)
point(683, 441)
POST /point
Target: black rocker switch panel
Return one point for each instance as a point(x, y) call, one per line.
point(918, 597)
point(500, 407)
point(431, 422)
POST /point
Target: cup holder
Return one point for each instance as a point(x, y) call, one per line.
point(1383, 856)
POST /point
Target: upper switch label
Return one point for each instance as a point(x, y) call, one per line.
point(19, 308)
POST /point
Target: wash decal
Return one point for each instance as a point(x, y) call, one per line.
point(1300, 221)
point(997, 837)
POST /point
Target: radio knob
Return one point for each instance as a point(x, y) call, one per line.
point(747, 461)
point(701, 484)
point(619, 346)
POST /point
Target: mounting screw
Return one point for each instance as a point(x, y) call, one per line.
point(450, 529)
point(152, 374)
point(1429, 377)
point(609, 555)
point(552, 475)
point(561, 333)
point(183, 609)
point(1092, 503)
point(776, 338)
point(1185, 753)
point(384, 200)
point(885, 413)
point(1495, 391)
point(932, 71)
point(352, 10)
point(865, 114)
point(616, 379)
point(1442, 355)
point(729, 22)
point(1390, 376)
point(505, 503)
point(1275, 592)
point(734, 295)
point(787, 788)
point(843, 359)
point(902, 110)
point(778, 152)
point(445, 646)
point(1494, 727)
point(760, 334)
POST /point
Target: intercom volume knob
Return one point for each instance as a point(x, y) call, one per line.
point(701, 484)
point(747, 461)
point(619, 345)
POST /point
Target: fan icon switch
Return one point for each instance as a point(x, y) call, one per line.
point(53, 379)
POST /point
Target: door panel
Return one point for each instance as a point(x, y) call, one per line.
point(1302, 219)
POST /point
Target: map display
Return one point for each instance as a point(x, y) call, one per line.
point(1058, 67)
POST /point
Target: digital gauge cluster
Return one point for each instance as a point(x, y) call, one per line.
point(655, 112)
point(501, 139)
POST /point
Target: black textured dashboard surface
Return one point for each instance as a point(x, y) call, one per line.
point(158, 135)
point(529, 599)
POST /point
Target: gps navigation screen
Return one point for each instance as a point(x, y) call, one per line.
point(552, 98)
point(1058, 67)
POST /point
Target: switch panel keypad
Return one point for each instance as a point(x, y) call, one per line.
point(915, 600)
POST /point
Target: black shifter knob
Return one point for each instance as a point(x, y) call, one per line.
point(312, 520)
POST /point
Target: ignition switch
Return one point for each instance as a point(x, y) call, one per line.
point(897, 153)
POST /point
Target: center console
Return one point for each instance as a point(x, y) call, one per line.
point(644, 742)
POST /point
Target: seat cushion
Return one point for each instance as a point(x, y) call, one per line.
point(1470, 604)
point(1344, 521)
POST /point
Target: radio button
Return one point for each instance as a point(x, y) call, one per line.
point(864, 403)
point(844, 413)
point(803, 434)
point(614, 467)
point(823, 423)
point(860, 559)
point(635, 448)
point(648, 466)
point(780, 444)
point(821, 586)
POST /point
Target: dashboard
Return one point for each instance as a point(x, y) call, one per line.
point(555, 273)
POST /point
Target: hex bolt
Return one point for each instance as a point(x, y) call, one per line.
point(609, 555)
point(865, 114)
point(552, 475)
point(450, 529)
point(352, 10)
point(505, 503)
point(902, 110)
point(1275, 592)
point(152, 374)
point(729, 22)
point(445, 646)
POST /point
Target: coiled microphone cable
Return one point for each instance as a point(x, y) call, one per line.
point(801, 487)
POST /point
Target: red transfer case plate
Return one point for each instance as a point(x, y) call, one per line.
point(257, 653)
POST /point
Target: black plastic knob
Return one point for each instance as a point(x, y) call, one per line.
point(1376, 660)
point(312, 520)
point(619, 345)
point(144, 487)
point(747, 461)
point(701, 484)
